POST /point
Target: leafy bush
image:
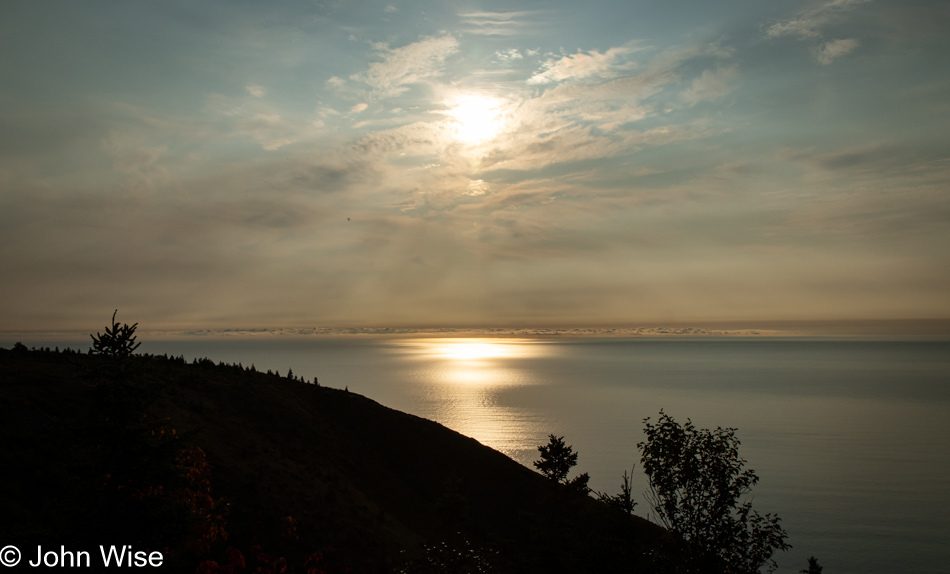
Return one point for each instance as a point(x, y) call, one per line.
point(696, 480)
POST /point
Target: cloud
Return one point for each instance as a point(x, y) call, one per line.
point(830, 51)
point(630, 88)
point(268, 130)
point(142, 166)
point(877, 162)
point(712, 85)
point(389, 9)
point(541, 147)
point(415, 139)
point(224, 226)
point(508, 56)
point(565, 123)
point(808, 23)
point(478, 187)
point(598, 188)
point(495, 23)
point(252, 117)
point(861, 157)
point(892, 212)
point(552, 128)
point(407, 65)
point(583, 65)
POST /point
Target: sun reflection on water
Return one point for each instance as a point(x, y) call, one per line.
point(469, 384)
point(477, 350)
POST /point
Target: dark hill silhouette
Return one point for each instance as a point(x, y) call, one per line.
point(366, 486)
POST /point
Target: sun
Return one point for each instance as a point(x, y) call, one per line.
point(477, 118)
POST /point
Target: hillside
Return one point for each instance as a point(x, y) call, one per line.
point(367, 488)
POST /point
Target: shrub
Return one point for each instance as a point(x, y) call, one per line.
point(696, 480)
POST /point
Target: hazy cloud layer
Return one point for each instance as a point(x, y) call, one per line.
point(496, 23)
point(583, 65)
point(810, 23)
point(813, 24)
point(830, 51)
point(418, 166)
point(712, 85)
point(407, 65)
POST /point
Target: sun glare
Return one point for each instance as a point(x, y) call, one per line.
point(470, 361)
point(477, 118)
point(473, 350)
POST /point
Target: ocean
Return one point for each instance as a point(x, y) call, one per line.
point(850, 438)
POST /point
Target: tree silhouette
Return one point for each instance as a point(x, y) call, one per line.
point(696, 480)
point(557, 460)
point(813, 567)
point(117, 341)
point(624, 500)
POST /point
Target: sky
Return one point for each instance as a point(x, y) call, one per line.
point(244, 164)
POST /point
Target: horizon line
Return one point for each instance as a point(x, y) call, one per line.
point(844, 328)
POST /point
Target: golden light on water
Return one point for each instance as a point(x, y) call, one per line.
point(476, 349)
point(468, 381)
point(475, 361)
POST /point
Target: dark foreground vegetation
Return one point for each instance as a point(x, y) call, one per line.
point(226, 469)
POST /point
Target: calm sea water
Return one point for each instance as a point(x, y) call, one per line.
point(851, 439)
